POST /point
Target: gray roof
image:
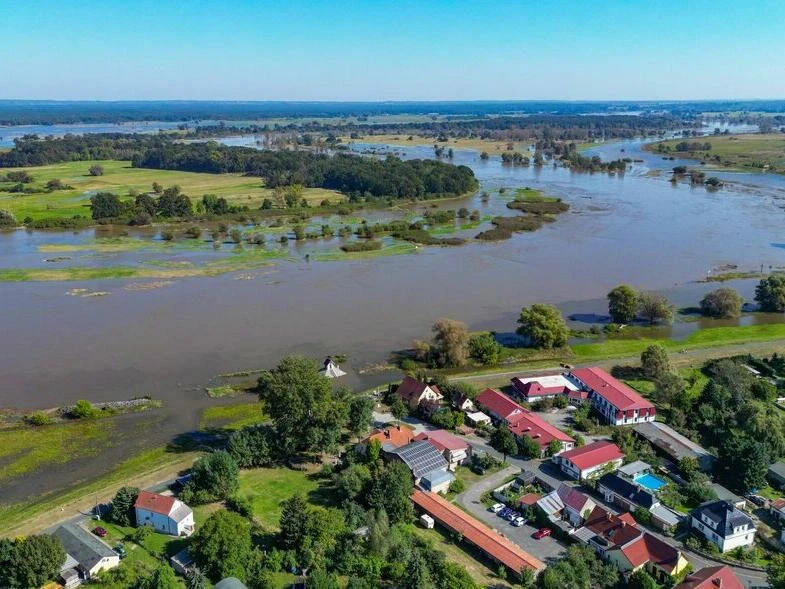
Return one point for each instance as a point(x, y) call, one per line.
point(666, 514)
point(634, 468)
point(421, 458)
point(181, 513)
point(724, 515)
point(778, 468)
point(725, 494)
point(673, 443)
point(628, 491)
point(85, 548)
point(436, 477)
point(230, 583)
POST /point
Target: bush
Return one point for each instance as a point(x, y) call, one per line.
point(84, 410)
point(457, 486)
point(485, 349)
point(141, 534)
point(362, 246)
point(194, 232)
point(241, 505)
point(39, 418)
point(167, 235)
point(96, 170)
point(722, 303)
point(7, 218)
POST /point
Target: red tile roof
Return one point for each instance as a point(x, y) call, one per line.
point(477, 533)
point(651, 549)
point(612, 390)
point(499, 404)
point(778, 504)
point(443, 440)
point(535, 389)
point(522, 422)
point(529, 499)
point(719, 577)
point(411, 389)
point(396, 435)
point(572, 498)
point(593, 454)
point(618, 530)
point(154, 502)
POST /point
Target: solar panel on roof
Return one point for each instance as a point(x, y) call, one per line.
point(421, 457)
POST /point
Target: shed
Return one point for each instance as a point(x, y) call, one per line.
point(437, 481)
point(634, 468)
point(182, 561)
point(729, 496)
point(777, 474)
point(478, 418)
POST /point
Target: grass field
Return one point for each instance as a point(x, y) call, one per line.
point(704, 338)
point(267, 487)
point(119, 177)
point(232, 416)
point(337, 255)
point(746, 151)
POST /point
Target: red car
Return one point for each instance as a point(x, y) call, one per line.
point(541, 533)
point(100, 532)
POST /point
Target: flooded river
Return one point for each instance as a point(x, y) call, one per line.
point(168, 342)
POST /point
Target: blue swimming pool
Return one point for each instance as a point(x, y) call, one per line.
point(651, 482)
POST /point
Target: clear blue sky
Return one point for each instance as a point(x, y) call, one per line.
point(392, 50)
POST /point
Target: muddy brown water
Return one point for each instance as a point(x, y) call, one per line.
point(170, 342)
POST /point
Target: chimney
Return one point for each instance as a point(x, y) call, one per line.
point(398, 427)
point(717, 582)
point(386, 433)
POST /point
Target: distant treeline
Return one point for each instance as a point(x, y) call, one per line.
point(356, 176)
point(44, 112)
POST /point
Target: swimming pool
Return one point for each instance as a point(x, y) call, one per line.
point(651, 482)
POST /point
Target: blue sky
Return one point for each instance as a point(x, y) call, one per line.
point(392, 50)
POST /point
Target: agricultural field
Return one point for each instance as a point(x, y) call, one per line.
point(119, 177)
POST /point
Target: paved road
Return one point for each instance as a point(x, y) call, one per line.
point(548, 550)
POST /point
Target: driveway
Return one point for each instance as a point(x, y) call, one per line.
point(548, 550)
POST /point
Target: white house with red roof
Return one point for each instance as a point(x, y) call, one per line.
point(522, 422)
point(536, 388)
point(618, 403)
point(414, 393)
point(453, 448)
point(164, 513)
point(590, 460)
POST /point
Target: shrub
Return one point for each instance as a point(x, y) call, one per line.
point(141, 534)
point(84, 410)
point(39, 418)
point(194, 232)
point(167, 235)
point(362, 246)
point(723, 303)
point(241, 505)
point(457, 486)
point(96, 170)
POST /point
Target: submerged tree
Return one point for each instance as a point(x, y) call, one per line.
point(450, 342)
point(544, 326)
point(622, 304)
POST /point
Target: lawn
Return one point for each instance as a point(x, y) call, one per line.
point(704, 338)
point(119, 177)
point(30, 448)
point(268, 487)
point(232, 416)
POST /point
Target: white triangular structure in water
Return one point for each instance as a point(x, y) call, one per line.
point(331, 369)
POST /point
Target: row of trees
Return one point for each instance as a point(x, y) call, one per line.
point(625, 304)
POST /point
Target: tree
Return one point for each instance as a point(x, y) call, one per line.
point(640, 579)
point(528, 448)
point(554, 447)
point(622, 304)
point(7, 218)
point(360, 414)
point(222, 545)
point(776, 571)
point(251, 446)
point(743, 462)
point(96, 170)
point(544, 326)
point(399, 409)
point(391, 490)
point(195, 578)
point(123, 506)
point(770, 294)
point(655, 362)
point(172, 203)
point(293, 522)
point(722, 303)
point(162, 578)
point(106, 205)
point(30, 562)
point(450, 342)
point(213, 477)
point(485, 349)
point(306, 413)
point(654, 307)
point(503, 440)
point(670, 389)
point(352, 481)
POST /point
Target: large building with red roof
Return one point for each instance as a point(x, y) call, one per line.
point(718, 577)
point(454, 449)
point(590, 460)
point(164, 513)
point(618, 403)
point(490, 542)
point(522, 422)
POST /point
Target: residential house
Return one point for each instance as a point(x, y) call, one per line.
point(537, 388)
point(464, 403)
point(777, 508)
point(590, 460)
point(718, 577)
point(164, 513)
point(421, 457)
point(453, 448)
point(69, 578)
point(331, 370)
point(723, 524)
point(529, 500)
point(630, 496)
point(776, 474)
point(86, 553)
point(618, 540)
point(674, 445)
point(389, 438)
point(416, 393)
point(477, 418)
point(727, 495)
point(615, 401)
point(566, 503)
point(522, 422)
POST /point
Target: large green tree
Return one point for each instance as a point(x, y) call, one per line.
point(105, 205)
point(622, 304)
point(743, 462)
point(722, 303)
point(123, 506)
point(485, 349)
point(213, 477)
point(293, 521)
point(222, 546)
point(503, 440)
point(306, 413)
point(770, 293)
point(30, 561)
point(655, 362)
point(162, 577)
point(450, 342)
point(544, 326)
point(360, 414)
point(391, 490)
point(654, 307)
point(776, 571)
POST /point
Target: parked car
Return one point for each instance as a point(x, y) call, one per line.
point(477, 468)
point(513, 515)
point(100, 532)
point(757, 500)
point(541, 533)
point(519, 521)
point(504, 512)
point(120, 551)
point(497, 507)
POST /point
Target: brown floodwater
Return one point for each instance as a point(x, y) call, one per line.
point(170, 341)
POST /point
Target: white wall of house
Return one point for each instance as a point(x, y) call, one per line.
point(163, 523)
point(573, 471)
point(108, 562)
point(741, 536)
